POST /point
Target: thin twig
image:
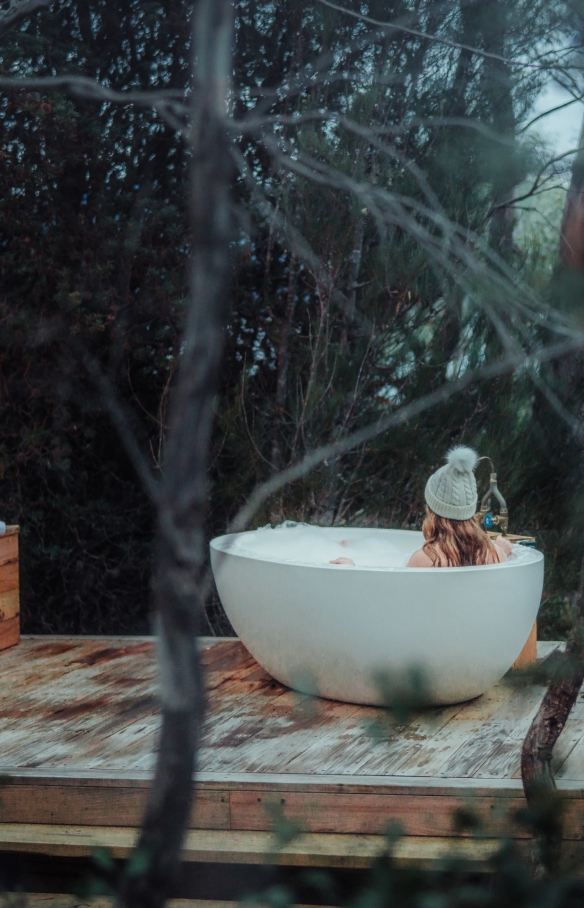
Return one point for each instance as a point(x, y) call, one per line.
point(456, 45)
point(122, 422)
point(87, 89)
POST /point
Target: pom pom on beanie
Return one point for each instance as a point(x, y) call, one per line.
point(464, 460)
point(452, 490)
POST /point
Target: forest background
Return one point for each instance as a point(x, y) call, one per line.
point(93, 251)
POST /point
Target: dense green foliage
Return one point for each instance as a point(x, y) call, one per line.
point(94, 243)
point(93, 246)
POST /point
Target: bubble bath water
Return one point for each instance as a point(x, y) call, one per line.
point(303, 544)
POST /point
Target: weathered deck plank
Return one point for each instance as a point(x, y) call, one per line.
point(79, 726)
point(86, 704)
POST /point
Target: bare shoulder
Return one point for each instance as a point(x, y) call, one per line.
point(420, 559)
point(503, 545)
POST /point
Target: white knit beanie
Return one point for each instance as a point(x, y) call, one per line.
point(452, 490)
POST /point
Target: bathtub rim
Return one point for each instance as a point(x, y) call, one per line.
point(218, 542)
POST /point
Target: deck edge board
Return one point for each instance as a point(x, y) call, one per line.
point(436, 786)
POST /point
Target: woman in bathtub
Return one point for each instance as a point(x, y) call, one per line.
point(453, 536)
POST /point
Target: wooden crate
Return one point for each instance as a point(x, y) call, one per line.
point(9, 589)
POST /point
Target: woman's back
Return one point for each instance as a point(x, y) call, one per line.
point(422, 558)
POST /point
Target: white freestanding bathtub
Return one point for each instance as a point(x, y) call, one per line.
point(335, 629)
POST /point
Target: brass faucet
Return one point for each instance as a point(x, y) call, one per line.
point(489, 520)
point(501, 520)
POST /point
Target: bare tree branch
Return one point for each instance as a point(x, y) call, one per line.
point(454, 44)
point(461, 252)
point(256, 124)
point(536, 181)
point(19, 10)
point(547, 113)
point(450, 246)
point(289, 234)
point(87, 89)
point(122, 422)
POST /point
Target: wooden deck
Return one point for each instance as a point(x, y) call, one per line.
point(78, 734)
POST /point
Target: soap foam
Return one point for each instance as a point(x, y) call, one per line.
point(292, 543)
point(305, 544)
point(522, 554)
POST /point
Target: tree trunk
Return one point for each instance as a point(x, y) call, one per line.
point(283, 362)
point(572, 231)
point(470, 17)
point(183, 491)
point(499, 91)
point(536, 754)
point(354, 269)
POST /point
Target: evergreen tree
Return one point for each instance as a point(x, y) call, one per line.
point(92, 233)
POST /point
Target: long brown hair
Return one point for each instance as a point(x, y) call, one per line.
point(461, 542)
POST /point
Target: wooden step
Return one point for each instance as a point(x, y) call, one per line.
point(60, 900)
point(228, 847)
